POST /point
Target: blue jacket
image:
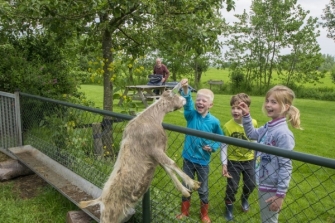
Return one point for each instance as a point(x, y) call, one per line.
point(193, 151)
point(274, 172)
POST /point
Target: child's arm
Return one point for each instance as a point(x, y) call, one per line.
point(184, 85)
point(223, 153)
point(224, 160)
point(249, 128)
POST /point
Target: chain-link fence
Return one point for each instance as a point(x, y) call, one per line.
point(86, 141)
point(10, 125)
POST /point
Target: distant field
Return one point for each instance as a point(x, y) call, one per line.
point(217, 74)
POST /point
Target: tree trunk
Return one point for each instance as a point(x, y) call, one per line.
point(107, 137)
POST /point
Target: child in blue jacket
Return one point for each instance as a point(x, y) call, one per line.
point(197, 151)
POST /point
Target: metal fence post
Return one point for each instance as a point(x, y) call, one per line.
point(18, 118)
point(146, 208)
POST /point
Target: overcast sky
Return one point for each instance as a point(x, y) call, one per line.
point(316, 10)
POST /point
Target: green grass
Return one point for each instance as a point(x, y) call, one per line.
point(48, 207)
point(317, 138)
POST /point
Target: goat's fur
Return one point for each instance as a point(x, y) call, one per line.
point(142, 148)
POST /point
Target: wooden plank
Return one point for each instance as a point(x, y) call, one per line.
point(78, 217)
point(71, 185)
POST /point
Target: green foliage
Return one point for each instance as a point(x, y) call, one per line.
point(329, 18)
point(66, 131)
point(325, 93)
point(332, 73)
point(257, 40)
point(128, 106)
point(32, 66)
point(237, 81)
point(329, 62)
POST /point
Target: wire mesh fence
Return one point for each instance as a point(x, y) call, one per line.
point(86, 141)
point(9, 131)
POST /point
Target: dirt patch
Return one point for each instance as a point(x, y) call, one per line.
point(26, 186)
point(3, 157)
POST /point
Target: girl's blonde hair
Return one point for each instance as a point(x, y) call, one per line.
point(285, 96)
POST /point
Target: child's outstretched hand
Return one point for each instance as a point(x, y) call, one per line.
point(244, 107)
point(184, 85)
point(225, 172)
point(275, 203)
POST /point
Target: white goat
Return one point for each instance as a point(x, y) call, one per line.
point(142, 148)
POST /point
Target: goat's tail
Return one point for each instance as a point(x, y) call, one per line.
point(84, 204)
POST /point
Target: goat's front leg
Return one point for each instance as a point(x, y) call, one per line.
point(169, 166)
point(185, 192)
point(189, 182)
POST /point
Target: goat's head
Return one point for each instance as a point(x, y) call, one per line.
point(172, 100)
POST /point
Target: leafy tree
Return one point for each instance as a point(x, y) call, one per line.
point(332, 73)
point(302, 65)
point(258, 40)
point(329, 17)
point(329, 62)
point(131, 26)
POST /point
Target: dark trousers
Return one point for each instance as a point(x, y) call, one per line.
point(236, 168)
point(156, 91)
point(202, 174)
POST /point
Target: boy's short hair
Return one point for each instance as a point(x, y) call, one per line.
point(241, 97)
point(206, 92)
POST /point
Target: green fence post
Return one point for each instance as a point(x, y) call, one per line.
point(146, 208)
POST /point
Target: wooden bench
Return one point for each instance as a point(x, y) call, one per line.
point(215, 82)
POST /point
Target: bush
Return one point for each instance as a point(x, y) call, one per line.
point(325, 93)
point(35, 66)
point(237, 81)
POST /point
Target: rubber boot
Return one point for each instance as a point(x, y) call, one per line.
point(204, 213)
point(185, 209)
point(229, 211)
point(245, 203)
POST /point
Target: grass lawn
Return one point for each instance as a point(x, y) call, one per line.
point(317, 138)
point(317, 118)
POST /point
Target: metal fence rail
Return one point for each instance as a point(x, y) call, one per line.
point(86, 141)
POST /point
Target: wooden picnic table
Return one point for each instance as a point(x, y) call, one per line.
point(142, 93)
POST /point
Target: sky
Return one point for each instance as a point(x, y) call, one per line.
point(315, 7)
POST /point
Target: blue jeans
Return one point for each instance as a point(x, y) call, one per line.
point(202, 175)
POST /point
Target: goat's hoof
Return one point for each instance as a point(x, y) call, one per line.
point(186, 194)
point(196, 185)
